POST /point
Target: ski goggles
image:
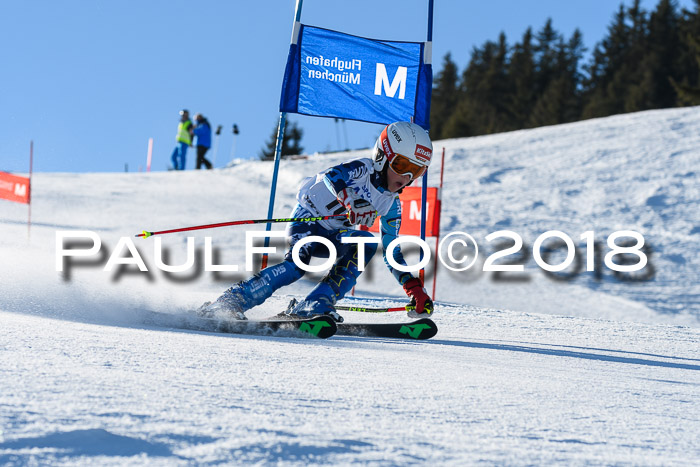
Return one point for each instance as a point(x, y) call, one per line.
point(402, 165)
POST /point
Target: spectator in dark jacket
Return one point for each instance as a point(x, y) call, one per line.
point(202, 131)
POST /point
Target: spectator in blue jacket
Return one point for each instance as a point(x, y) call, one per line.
point(202, 131)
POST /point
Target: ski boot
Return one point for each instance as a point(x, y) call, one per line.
point(428, 307)
point(233, 302)
point(318, 305)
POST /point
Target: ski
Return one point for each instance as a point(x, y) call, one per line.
point(321, 327)
point(421, 329)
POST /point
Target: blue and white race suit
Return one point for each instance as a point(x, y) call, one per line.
point(317, 196)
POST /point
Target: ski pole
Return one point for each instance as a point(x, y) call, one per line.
point(363, 309)
point(146, 234)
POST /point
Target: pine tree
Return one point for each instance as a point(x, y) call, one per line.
point(575, 51)
point(593, 90)
point(687, 88)
point(547, 54)
point(444, 97)
point(605, 88)
point(291, 143)
point(495, 89)
point(637, 30)
point(630, 76)
point(660, 63)
point(465, 121)
point(688, 94)
point(521, 71)
point(560, 102)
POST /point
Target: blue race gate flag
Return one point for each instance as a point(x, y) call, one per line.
point(331, 74)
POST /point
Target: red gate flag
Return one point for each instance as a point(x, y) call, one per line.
point(14, 188)
point(410, 212)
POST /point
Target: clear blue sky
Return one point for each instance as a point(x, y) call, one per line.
point(91, 81)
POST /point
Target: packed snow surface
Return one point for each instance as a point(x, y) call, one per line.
point(525, 369)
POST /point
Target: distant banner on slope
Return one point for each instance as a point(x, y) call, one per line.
point(410, 200)
point(331, 74)
point(14, 188)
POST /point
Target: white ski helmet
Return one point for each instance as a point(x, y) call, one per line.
point(406, 147)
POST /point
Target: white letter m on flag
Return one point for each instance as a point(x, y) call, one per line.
point(382, 80)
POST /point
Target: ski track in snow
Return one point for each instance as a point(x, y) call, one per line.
point(523, 372)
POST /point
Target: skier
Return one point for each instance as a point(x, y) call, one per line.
point(364, 189)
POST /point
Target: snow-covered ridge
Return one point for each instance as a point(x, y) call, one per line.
point(629, 172)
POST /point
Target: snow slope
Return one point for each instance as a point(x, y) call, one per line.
point(495, 387)
point(525, 371)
